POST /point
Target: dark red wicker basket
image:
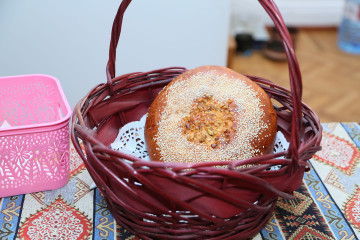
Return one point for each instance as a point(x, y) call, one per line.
point(157, 200)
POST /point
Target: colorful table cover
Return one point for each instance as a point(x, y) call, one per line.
point(326, 206)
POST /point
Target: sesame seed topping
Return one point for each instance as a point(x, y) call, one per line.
point(175, 146)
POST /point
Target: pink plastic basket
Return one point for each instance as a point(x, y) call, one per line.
point(34, 135)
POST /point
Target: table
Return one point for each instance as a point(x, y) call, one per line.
point(326, 206)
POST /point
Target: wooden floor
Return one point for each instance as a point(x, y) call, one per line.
point(331, 78)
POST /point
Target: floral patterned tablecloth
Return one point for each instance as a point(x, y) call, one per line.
point(326, 206)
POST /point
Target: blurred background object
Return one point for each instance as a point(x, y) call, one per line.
point(273, 48)
point(349, 30)
point(331, 77)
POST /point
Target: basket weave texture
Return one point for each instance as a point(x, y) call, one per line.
point(157, 200)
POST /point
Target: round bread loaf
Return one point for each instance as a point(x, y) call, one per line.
point(210, 113)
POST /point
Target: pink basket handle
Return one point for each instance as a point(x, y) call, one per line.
point(294, 71)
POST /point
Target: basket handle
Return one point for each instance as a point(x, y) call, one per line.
point(115, 36)
point(295, 80)
point(294, 71)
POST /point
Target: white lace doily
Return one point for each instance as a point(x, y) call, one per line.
point(131, 140)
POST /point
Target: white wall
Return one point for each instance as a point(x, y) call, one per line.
point(69, 39)
point(249, 14)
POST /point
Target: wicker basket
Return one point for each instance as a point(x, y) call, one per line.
point(157, 200)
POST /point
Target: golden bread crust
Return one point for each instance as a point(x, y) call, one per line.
point(172, 115)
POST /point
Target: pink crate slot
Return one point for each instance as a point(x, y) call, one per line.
point(34, 135)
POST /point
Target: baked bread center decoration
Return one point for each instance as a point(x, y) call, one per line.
point(210, 113)
point(210, 122)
